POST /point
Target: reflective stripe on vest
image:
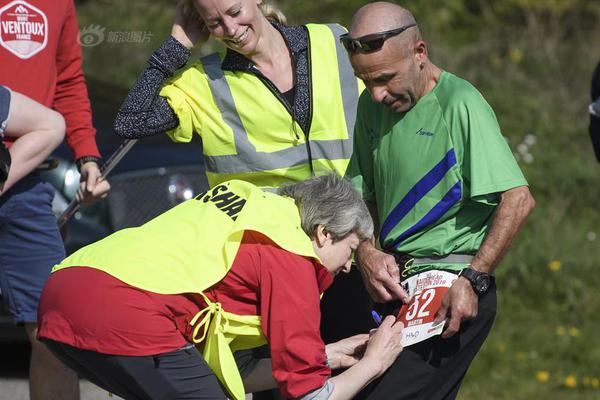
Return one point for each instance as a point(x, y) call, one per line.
point(248, 159)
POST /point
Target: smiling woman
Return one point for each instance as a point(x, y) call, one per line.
point(277, 106)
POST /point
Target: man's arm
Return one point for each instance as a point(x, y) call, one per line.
point(460, 303)
point(515, 205)
point(72, 101)
point(38, 130)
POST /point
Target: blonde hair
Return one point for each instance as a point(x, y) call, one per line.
point(269, 10)
point(273, 13)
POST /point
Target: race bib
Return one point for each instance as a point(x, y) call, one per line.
point(427, 290)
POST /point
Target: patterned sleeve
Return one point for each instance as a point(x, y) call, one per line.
point(144, 112)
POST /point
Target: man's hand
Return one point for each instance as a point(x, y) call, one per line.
point(380, 273)
point(92, 186)
point(459, 304)
point(346, 352)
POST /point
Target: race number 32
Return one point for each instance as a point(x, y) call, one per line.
point(419, 306)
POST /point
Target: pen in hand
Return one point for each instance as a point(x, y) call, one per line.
point(376, 317)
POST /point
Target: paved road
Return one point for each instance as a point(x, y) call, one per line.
point(14, 361)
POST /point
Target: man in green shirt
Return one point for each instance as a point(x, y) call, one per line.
point(444, 188)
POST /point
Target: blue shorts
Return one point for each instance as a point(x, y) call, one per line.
point(30, 245)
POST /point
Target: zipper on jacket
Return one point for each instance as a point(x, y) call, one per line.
point(267, 82)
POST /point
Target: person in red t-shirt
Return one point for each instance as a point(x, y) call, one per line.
point(136, 343)
point(41, 58)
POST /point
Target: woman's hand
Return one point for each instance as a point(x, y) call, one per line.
point(188, 28)
point(383, 347)
point(346, 352)
point(384, 344)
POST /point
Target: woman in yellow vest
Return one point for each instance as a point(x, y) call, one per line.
point(232, 269)
point(276, 106)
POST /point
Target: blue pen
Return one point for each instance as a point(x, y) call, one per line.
point(376, 317)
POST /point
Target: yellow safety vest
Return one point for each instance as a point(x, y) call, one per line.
point(190, 248)
point(249, 134)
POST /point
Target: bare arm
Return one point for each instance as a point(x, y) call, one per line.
point(515, 205)
point(380, 350)
point(38, 130)
point(460, 303)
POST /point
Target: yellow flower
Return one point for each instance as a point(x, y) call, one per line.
point(555, 265)
point(542, 376)
point(501, 347)
point(586, 381)
point(520, 355)
point(575, 332)
point(560, 330)
point(595, 383)
point(515, 55)
point(570, 381)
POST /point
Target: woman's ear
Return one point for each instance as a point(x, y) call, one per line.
point(321, 235)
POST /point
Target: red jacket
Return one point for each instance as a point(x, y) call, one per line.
point(281, 287)
point(40, 57)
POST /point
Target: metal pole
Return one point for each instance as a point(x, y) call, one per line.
point(108, 166)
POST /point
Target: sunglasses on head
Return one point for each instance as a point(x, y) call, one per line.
point(371, 42)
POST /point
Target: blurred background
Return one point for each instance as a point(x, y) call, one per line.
point(533, 61)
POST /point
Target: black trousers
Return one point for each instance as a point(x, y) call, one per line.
point(177, 375)
point(435, 368)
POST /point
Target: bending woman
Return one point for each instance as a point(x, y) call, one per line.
point(277, 106)
point(231, 269)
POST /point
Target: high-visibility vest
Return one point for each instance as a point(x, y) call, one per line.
point(190, 248)
point(247, 131)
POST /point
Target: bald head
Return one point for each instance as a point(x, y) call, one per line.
point(383, 16)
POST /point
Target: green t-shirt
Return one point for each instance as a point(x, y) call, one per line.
point(435, 172)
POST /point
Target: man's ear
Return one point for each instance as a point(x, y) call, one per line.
point(321, 235)
point(421, 52)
